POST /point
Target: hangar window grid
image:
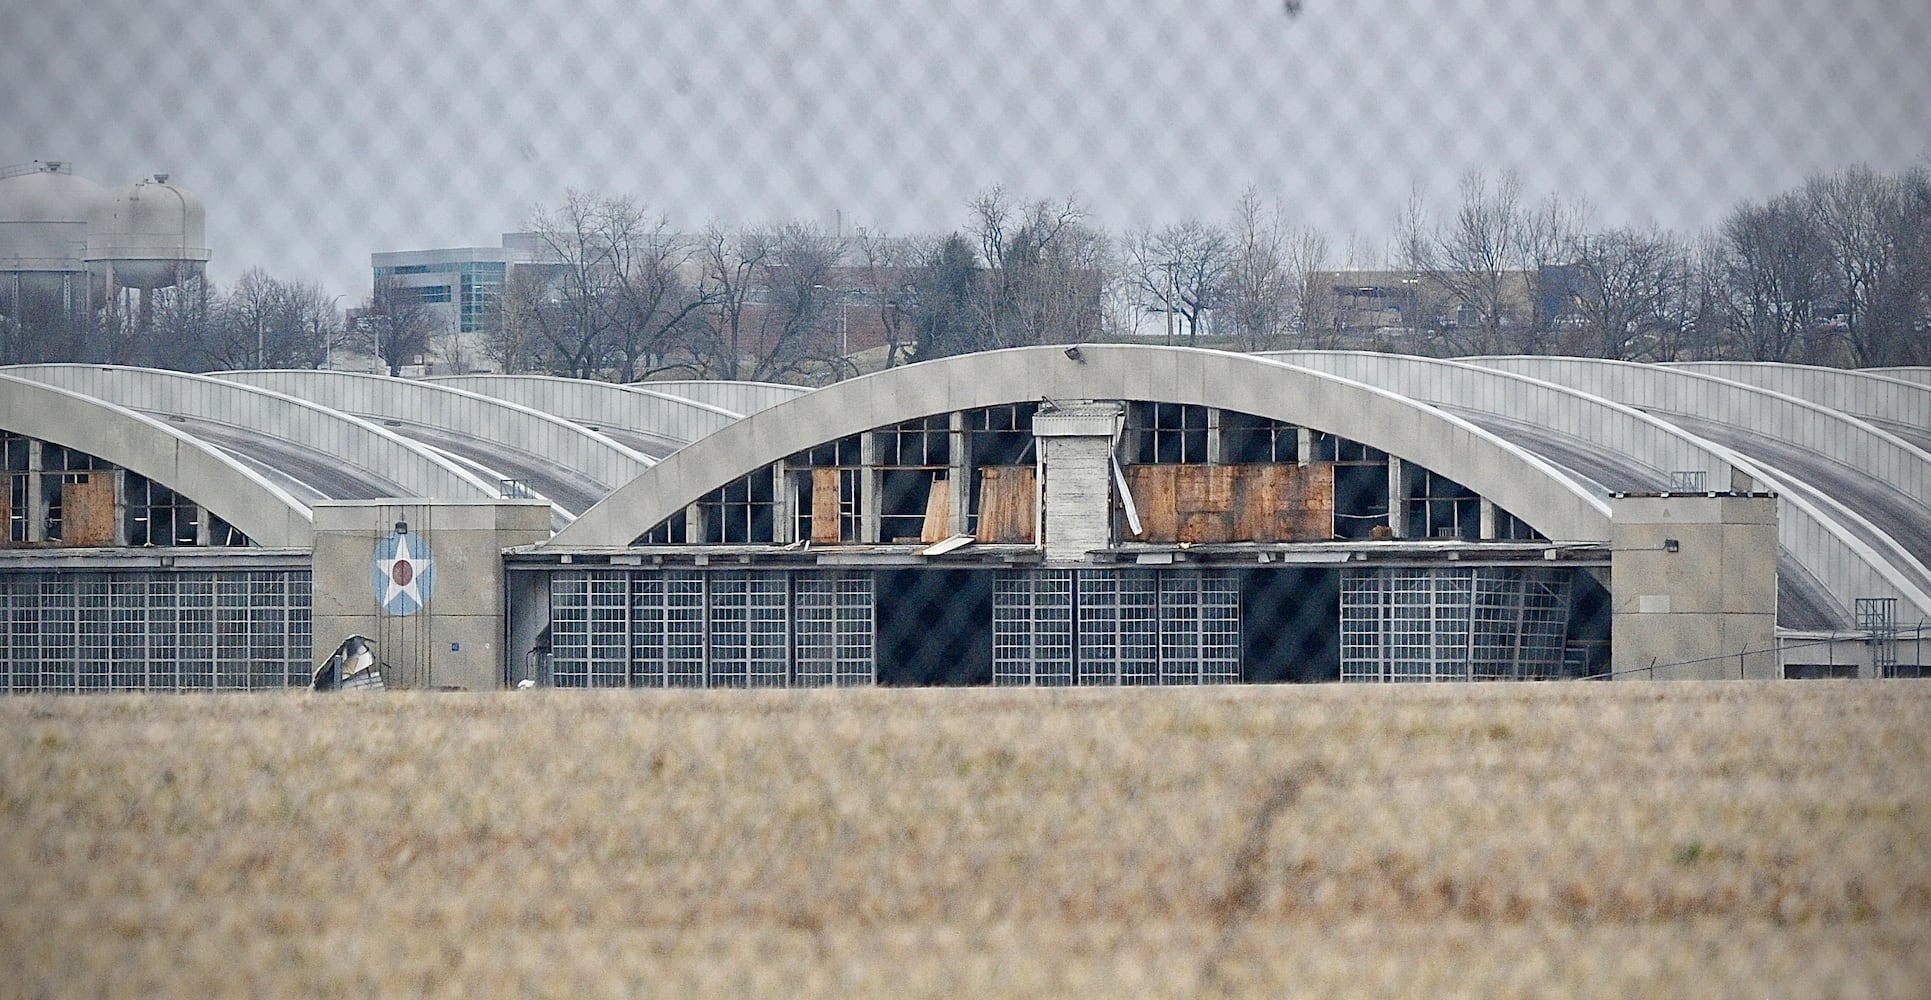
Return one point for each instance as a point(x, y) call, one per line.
point(667, 630)
point(1032, 623)
point(835, 630)
point(1115, 627)
point(720, 628)
point(1453, 624)
point(154, 630)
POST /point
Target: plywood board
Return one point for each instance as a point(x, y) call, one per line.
point(938, 513)
point(1007, 503)
point(1234, 503)
point(6, 511)
point(824, 507)
point(87, 511)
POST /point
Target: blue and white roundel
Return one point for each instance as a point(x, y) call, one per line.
point(404, 573)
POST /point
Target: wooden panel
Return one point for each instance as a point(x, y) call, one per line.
point(6, 511)
point(87, 511)
point(824, 507)
point(938, 513)
point(1233, 503)
point(1287, 503)
point(1007, 498)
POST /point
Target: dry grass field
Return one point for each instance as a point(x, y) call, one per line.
point(1597, 840)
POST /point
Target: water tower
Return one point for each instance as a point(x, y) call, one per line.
point(43, 243)
point(147, 235)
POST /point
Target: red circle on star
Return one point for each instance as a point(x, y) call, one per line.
point(402, 573)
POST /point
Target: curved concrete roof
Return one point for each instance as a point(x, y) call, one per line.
point(1622, 448)
point(269, 515)
point(1897, 405)
point(1909, 373)
point(309, 450)
point(652, 423)
point(1554, 503)
point(740, 397)
point(563, 462)
point(1885, 478)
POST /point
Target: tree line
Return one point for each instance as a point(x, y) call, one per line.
point(1836, 271)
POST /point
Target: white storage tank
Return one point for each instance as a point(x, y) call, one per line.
point(43, 233)
point(148, 234)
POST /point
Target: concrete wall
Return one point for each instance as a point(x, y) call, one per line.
point(1694, 585)
point(1076, 478)
point(456, 639)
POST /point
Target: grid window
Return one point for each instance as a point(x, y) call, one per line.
point(1119, 627)
point(1248, 439)
point(835, 630)
point(667, 630)
point(1199, 628)
point(1169, 433)
point(750, 636)
point(570, 629)
point(1032, 619)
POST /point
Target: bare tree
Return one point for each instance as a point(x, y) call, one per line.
point(576, 242)
point(1872, 228)
point(512, 330)
point(1629, 282)
point(888, 276)
point(650, 297)
point(1476, 260)
point(1180, 270)
point(943, 302)
point(395, 325)
point(801, 331)
point(1264, 292)
point(722, 334)
point(1044, 271)
point(1775, 274)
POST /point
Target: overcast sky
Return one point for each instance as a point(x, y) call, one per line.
point(319, 131)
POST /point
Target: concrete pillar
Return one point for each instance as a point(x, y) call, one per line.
point(958, 476)
point(1397, 497)
point(1076, 477)
point(36, 499)
point(1693, 583)
point(870, 485)
point(448, 629)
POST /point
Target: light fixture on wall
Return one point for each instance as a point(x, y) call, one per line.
point(1671, 545)
point(402, 528)
point(1074, 353)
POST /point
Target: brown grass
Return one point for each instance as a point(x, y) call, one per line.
point(1715, 839)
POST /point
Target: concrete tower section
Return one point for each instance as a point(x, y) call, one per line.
point(423, 581)
point(1076, 477)
point(1695, 582)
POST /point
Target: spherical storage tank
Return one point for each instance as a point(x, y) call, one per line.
point(148, 234)
point(43, 231)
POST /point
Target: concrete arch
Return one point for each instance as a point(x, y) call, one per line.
point(267, 514)
point(737, 396)
point(1863, 466)
point(1543, 496)
point(567, 463)
point(329, 454)
point(1828, 540)
point(650, 422)
point(1897, 405)
point(1920, 374)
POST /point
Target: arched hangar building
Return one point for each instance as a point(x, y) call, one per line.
point(1104, 514)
